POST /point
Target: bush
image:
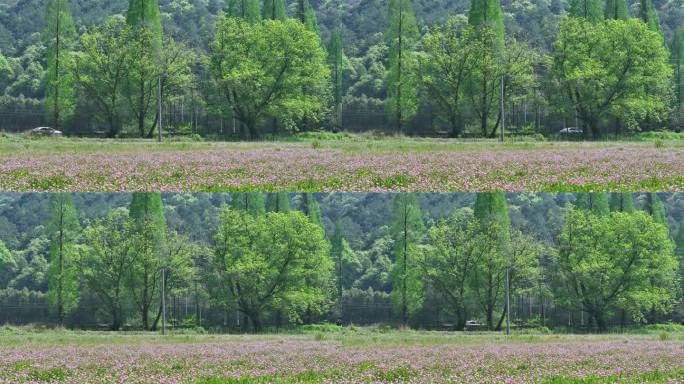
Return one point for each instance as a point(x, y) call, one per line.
point(657, 135)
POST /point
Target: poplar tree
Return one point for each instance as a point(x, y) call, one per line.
point(621, 202)
point(492, 206)
point(278, 202)
point(307, 15)
point(487, 14)
point(401, 38)
point(655, 208)
point(63, 231)
point(408, 231)
point(146, 213)
point(649, 15)
point(59, 37)
point(274, 10)
point(251, 202)
point(310, 207)
point(245, 9)
point(596, 202)
point(144, 18)
point(591, 10)
point(677, 57)
point(616, 10)
point(336, 63)
point(336, 251)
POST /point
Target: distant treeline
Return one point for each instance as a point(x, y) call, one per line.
point(248, 261)
point(601, 67)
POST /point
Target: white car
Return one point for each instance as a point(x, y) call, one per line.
point(46, 132)
point(571, 131)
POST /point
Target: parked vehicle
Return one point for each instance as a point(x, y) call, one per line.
point(45, 132)
point(571, 131)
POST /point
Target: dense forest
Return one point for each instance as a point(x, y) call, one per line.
point(250, 261)
point(456, 68)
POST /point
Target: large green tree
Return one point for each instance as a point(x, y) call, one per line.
point(401, 37)
point(486, 17)
point(148, 235)
point(616, 67)
point(105, 266)
point(59, 37)
point(277, 261)
point(8, 266)
point(64, 230)
point(455, 248)
point(271, 70)
point(144, 17)
point(446, 65)
point(616, 261)
point(100, 69)
point(408, 232)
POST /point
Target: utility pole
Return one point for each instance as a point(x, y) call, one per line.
point(503, 112)
point(163, 299)
point(159, 105)
point(508, 301)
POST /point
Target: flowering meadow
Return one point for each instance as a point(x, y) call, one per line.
point(374, 166)
point(313, 359)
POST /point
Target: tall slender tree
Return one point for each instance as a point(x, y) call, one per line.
point(621, 202)
point(492, 206)
point(144, 18)
point(408, 231)
point(274, 10)
point(307, 15)
point(487, 14)
point(401, 37)
point(278, 202)
point(245, 9)
point(655, 208)
point(310, 207)
point(592, 10)
point(59, 36)
point(649, 15)
point(252, 202)
point(63, 230)
point(336, 63)
point(336, 251)
point(596, 202)
point(677, 57)
point(616, 10)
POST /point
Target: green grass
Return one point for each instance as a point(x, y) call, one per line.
point(16, 144)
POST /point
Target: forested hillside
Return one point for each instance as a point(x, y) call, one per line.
point(354, 87)
point(364, 243)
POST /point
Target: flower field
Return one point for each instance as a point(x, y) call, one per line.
point(415, 358)
point(392, 165)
